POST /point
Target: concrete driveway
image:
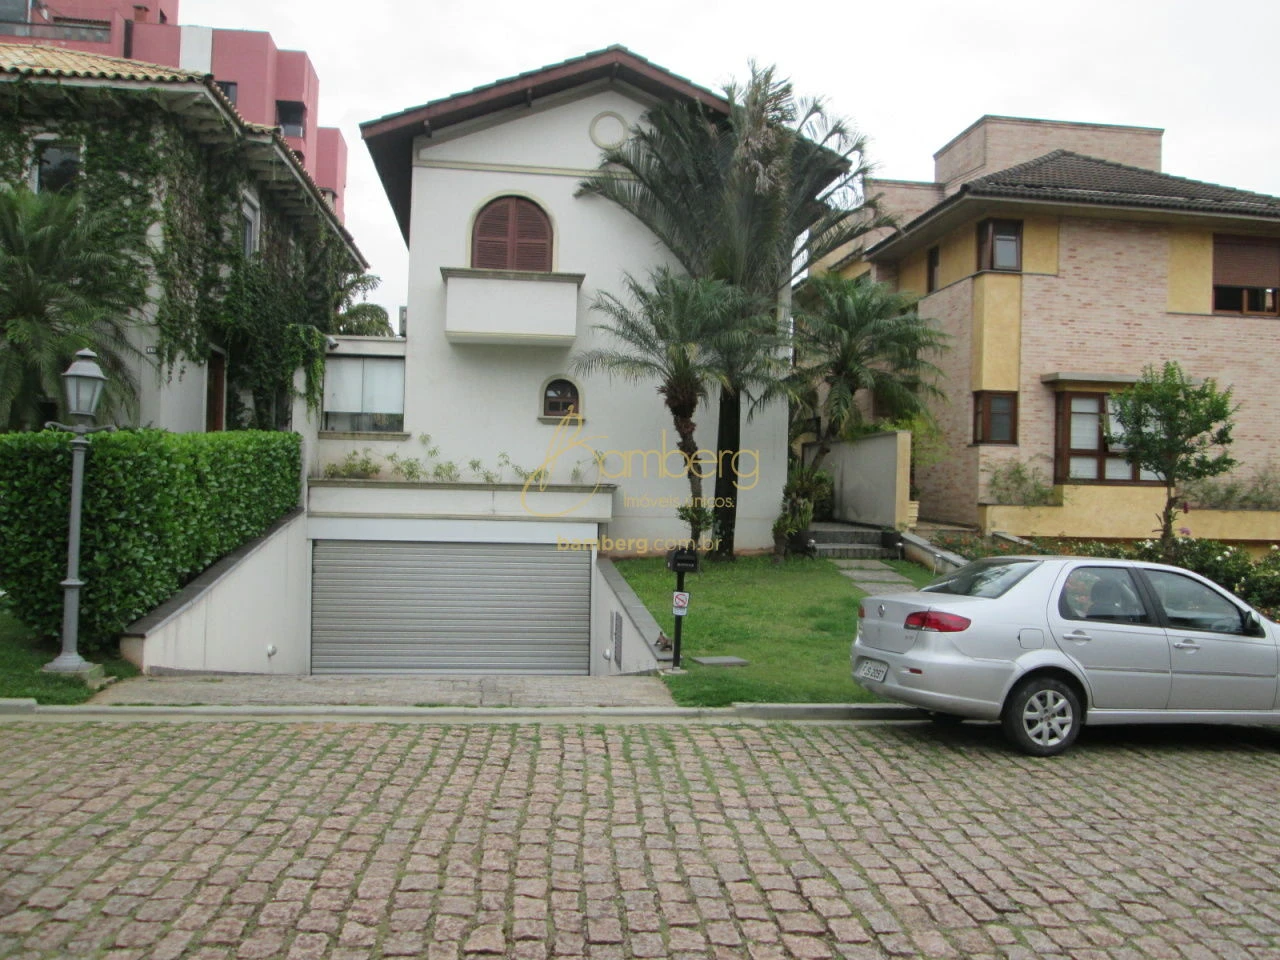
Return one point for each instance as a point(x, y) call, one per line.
point(355, 840)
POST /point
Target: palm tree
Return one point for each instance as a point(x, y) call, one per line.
point(65, 284)
point(360, 318)
point(854, 334)
point(751, 197)
point(665, 338)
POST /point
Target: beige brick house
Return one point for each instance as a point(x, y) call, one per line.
point(1062, 261)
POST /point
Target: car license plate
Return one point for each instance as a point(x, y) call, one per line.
point(873, 670)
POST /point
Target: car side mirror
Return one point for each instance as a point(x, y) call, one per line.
point(1253, 625)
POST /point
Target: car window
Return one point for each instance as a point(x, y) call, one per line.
point(1102, 593)
point(1191, 605)
point(984, 578)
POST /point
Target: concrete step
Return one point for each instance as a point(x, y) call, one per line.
point(829, 533)
point(862, 551)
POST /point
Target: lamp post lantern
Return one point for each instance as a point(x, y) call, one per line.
point(82, 384)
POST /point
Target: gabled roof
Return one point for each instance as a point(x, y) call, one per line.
point(41, 61)
point(1064, 177)
point(1072, 177)
point(390, 138)
point(278, 168)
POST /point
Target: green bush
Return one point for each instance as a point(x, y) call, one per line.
point(816, 486)
point(1021, 485)
point(158, 509)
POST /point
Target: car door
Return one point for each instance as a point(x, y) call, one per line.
point(1216, 664)
point(1099, 618)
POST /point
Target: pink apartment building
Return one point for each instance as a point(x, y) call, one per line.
point(268, 86)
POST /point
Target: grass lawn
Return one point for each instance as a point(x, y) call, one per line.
point(21, 659)
point(793, 622)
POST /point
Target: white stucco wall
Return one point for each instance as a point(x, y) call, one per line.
point(610, 598)
point(482, 400)
point(263, 600)
point(167, 400)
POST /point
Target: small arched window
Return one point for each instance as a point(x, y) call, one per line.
point(560, 399)
point(511, 233)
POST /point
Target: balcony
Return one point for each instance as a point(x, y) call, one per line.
point(510, 306)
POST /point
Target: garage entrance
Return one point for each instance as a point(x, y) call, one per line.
point(382, 606)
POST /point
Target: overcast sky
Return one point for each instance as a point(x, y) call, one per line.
point(908, 75)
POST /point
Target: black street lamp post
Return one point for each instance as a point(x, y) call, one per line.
point(83, 382)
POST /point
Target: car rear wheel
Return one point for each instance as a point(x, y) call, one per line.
point(1042, 716)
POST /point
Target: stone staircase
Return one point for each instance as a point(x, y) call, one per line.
point(849, 541)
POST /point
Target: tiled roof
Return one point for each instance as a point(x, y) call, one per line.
point(1063, 176)
point(40, 61)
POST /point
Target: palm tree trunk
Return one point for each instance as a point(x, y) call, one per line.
point(689, 447)
point(728, 440)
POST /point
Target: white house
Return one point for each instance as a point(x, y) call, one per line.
point(505, 260)
point(485, 548)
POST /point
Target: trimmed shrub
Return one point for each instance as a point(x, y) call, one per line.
point(158, 509)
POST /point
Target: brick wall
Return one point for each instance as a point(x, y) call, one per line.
point(1106, 312)
point(948, 489)
point(997, 143)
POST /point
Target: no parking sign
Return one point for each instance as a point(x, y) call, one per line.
point(679, 603)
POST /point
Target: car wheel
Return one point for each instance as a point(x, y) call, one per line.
point(1042, 716)
point(946, 719)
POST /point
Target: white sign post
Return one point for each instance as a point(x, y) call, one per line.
point(679, 603)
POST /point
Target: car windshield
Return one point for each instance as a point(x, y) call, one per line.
point(984, 578)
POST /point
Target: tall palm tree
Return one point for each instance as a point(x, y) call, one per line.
point(65, 284)
point(854, 334)
point(665, 338)
point(360, 318)
point(752, 197)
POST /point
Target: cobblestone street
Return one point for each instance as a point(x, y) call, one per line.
point(354, 840)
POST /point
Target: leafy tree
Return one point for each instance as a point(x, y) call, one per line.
point(751, 197)
point(854, 334)
point(360, 319)
point(666, 337)
point(63, 287)
point(1176, 430)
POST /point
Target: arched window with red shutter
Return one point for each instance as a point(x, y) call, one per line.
point(511, 233)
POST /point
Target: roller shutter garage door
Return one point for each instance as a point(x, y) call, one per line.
point(408, 607)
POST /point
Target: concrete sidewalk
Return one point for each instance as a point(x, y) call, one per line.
point(249, 690)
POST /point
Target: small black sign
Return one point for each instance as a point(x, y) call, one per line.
point(682, 560)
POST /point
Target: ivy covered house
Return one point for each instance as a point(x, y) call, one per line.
point(229, 253)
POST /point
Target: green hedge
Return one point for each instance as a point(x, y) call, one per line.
point(158, 509)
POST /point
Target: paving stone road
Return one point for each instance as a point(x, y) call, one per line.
point(328, 840)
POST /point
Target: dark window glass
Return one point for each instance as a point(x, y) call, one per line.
point(995, 417)
point(1000, 245)
point(560, 399)
point(230, 88)
point(58, 167)
point(992, 577)
point(933, 262)
point(1102, 593)
point(291, 117)
point(1190, 605)
point(13, 11)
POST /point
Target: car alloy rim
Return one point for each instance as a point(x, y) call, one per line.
point(1047, 718)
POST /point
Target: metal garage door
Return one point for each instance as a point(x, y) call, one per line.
point(402, 607)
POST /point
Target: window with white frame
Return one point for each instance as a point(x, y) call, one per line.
point(250, 227)
point(364, 394)
point(55, 166)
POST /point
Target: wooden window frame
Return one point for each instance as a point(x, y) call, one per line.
point(932, 263)
point(1253, 275)
point(1063, 452)
point(987, 232)
point(982, 415)
point(575, 406)
point(539, 250)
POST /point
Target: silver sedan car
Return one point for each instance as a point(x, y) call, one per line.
point(1047, 644)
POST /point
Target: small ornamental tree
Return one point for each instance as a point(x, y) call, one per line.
point(1176, 430)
